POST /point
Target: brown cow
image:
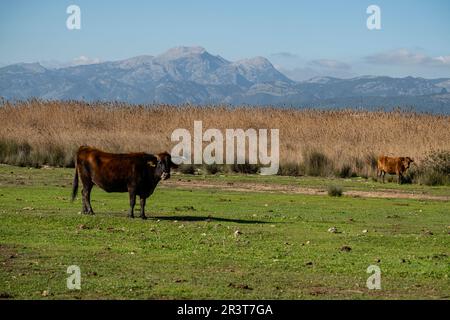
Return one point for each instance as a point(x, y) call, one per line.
point(135, 173)
point(393, 165)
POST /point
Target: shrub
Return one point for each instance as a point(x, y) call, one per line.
point(371, 160)
point(213, 168)
point(433, 178)
point(359, 164)
point(334, 191)
point(22, 154)
point(245, 168)
point(187, 168)
point(345, 171)
point(15, 153)
point(435, 169)
point(55, 156)
point(411, 175)
point(290, 169)
point(317, 164)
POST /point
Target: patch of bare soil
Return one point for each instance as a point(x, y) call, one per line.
point(7, 255)
point(292, 189)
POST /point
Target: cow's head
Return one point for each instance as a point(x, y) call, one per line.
point(163, 165)
point(407, 162)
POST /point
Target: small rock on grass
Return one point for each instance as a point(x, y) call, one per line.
point(240, 286)
point(179, 280)
point(333, 230)
point(346, 249)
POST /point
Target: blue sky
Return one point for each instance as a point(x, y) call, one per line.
point(322, 37)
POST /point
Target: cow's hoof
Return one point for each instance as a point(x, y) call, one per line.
point(143, 217)
point(130, 216)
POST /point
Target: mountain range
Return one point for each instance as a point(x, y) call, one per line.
point(192, 75)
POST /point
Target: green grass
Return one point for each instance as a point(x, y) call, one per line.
point(189, 247)
point(356, 183)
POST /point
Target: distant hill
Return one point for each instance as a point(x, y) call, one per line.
point(192, 75)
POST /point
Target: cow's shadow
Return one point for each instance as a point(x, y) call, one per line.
point(204, 218)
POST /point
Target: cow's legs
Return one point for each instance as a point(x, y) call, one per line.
point(132, 203)
point(400, 178)
point(90, 211)
point(143, 200)
point(86, 193)
point(383, 173)
point(83, 201)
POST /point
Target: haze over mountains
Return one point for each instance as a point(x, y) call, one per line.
point(192, 75)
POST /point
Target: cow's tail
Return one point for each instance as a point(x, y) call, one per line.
point(75, 184)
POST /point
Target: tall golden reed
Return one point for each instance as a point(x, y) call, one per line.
point(341, 135)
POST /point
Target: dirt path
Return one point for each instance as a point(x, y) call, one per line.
point(292, 189)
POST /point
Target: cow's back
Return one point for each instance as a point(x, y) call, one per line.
point(113, 172)
point(391, 165)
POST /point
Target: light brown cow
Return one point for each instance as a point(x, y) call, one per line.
point(393, 165)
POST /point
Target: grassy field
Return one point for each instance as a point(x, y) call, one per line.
point(213, 242)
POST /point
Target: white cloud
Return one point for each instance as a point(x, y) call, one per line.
point(299, 69)
point(442, 60)
point(306, 73)
point(79, 61)
point(284, 55)
point(407, 57)
point(83, 60)
point(330, 64)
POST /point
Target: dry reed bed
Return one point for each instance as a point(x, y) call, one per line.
point(343, 135)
